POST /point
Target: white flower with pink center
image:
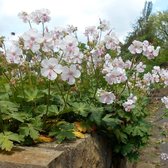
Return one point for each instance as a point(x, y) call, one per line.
point(136, 47)
point(116, 75)
point(40, 16)
point(69, 74)
point(140, 67)
point(71, 29)
point(111, 42)
point(99, 50)
point(156, 69)
point(164, 156)
point(145, 44)
point(77, 58)
point(24, 16)
point(107, 67)
point(106, 97)
point(156, 78)
point(165, 101)
point(50, 68)
point(48, 42)
point(69, 45)
point(32, 40)
point(164, 76)
point(59, 33)
point(148, 78)
point(14, 55)
point(150, 52)
point(130, 103)
point(91, 31)
point(128, 64)
point(118, 62)
point(104, 25)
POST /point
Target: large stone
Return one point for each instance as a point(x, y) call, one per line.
point(145, 165)
point(90, 152)
point(29, 157)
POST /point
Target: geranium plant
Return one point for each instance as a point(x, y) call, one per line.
point(49, 79)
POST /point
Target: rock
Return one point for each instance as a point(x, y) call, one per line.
point(90, 152)
point(28, 157)
point(145, 165)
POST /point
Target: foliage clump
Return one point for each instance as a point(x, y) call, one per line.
point(49, 80)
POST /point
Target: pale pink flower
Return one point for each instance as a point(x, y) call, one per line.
point(71, 29)
point(106, 97)
point(40, 16)
point(104, 25)
point(145, 44)
point(156, 69)
point(48, 42)
point(107, 67)
point(99, 50)
point(107, 57)
point(69, 74)
point(150, 52)
point(130, 103)
point(69, 45)
point(91, 31)
point(156, 78)
point(118, 62)
point(24, 16)
point(164, 76)
point(111, 42)
point(50, 68)
point(148, 78)
point(140, 67)
point(128, 64)
point(32, 40)
point(136, 47)
point(165, 101)
point(77, 58)
point(164, 156)
point(116, 75)
point(14, 55)
point(59, 33)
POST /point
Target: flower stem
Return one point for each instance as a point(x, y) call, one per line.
point(43, 28)
point(30, 25)
point(22, 83)
point(62, 95)
point(48, 96)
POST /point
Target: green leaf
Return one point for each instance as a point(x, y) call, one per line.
point(24, 130)
point(80, 108)
point(29, 130)
point(63, 130)
point(4, 96)
point(18, 116)
point(111, 121)
point(121, 136)
point(41, 109)
point(32, 94)
point(53, 110)
point(13, 136)
point(6, 140)
point(7, 106)
point(33, 132)
point(127, 148)
point(96, 115)
point(6, 144)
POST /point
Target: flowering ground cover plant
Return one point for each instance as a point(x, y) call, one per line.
point(49, 80)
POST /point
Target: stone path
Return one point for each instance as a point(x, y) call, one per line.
point(152, 155)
